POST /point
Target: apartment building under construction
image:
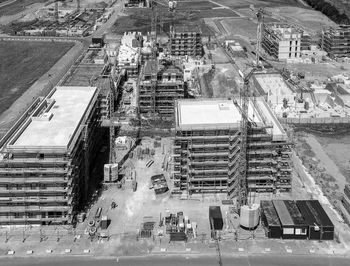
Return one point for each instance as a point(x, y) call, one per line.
point(336, 41)
point(282, 41)
point(207, 148)
point(186, 40)
point(161, 84)
point(45, 158)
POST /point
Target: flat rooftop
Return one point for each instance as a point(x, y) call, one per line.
point(223, 113)
point(216, 113)
point(56, 121)
point(283, 213)
point(273, 85)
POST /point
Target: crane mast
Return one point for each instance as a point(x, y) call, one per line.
point(260, 17)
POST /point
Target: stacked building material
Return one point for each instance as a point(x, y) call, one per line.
point(159, 184)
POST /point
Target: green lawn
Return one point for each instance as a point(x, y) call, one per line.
point(22, 63)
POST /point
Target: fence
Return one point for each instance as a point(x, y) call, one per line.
point(316, 120)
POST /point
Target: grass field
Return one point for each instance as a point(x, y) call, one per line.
point(18, 6)
point(259, 3)
point(22, 63)
point(243, 27)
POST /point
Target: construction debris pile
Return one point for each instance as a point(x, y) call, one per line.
point(159, 184)
point(68, 23)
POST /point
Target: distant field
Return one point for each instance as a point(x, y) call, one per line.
point(17, 6)
point(22, 63)
point(243, 27)
point(139, 19)
point(187, 12)
point(257, 3)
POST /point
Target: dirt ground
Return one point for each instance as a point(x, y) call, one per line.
point(240, 27)
point(322, 163)
point(337, 148)
point(310, 19)
point(143, 205)
point(225, 81)
point(313, 72)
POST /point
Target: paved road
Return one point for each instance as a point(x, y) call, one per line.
point(192, 260)
point(7, 3)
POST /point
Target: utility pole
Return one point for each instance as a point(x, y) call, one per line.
point(56, 11)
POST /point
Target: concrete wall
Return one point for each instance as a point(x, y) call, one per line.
point(286, 50)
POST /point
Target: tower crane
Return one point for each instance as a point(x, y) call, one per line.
point(242, 188)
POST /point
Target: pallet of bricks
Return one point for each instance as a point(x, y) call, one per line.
point(146, 229)
point(346, 201)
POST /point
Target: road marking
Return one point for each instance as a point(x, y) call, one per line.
point(267, 249)
point(241, 249)
point(312, 251)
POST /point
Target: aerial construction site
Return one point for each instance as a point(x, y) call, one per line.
point(179, 126)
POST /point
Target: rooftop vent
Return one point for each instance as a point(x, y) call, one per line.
point(224, 106)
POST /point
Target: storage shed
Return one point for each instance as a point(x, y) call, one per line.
point(292, 222)
point(215, 218)
point(320, 227)
point(270, 219)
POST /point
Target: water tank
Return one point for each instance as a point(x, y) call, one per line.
point(250, 215)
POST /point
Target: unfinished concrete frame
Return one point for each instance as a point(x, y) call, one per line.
point(46, 185)
point(159, 88)
point(185, 40)
point(336, 41)
point(206, 159)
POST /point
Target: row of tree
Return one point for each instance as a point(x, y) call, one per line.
point(329, 10)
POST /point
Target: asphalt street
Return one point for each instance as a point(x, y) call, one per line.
point(190, 260)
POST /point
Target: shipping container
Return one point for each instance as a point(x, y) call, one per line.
point(178, 236)
point(320, 227)
point(269, 218)
point(104, 222)
point(215, 218)
point(292, 222)
point(98, 213)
